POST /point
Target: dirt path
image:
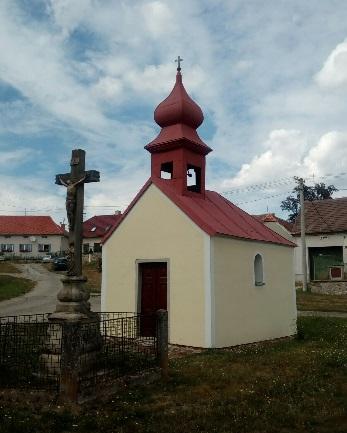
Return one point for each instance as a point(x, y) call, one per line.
point(322, 314)
point(42, 299)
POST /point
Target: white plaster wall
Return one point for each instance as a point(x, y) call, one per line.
point(244, 312)
point(320, 240)
point(156, 230)
point(278, 228)
point(58, 243)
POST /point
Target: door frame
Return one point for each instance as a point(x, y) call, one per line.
point(138, 284)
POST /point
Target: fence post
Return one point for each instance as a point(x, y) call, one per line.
point(69, 362)
point(163, 343)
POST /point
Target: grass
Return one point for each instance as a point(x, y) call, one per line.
point(288, 386)
point(90, 270)
point(10, 287)
point(8, 268)
point(317, 302)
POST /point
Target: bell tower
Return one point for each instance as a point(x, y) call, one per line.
point(178, 155)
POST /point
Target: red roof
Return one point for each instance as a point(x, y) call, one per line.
point(179, 117)
point(29, 225)
point(214, 214)
point(271, 217)
point(98, 225)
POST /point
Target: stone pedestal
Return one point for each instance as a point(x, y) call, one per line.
point(73, 301)
point(74, 339)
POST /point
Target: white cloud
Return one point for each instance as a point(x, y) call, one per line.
point(14, 157)
point(329, 155)
point(334, 71)
point(281, 157)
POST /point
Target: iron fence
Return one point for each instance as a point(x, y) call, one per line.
point(74, 357)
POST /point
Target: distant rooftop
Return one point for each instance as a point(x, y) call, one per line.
point(29, 225)
point(324, 216)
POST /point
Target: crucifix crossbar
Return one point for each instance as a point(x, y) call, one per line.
point(74, 183)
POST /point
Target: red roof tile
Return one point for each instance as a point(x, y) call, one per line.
point(98, 225)
point(271, 217)
point(29, 225)
point(324, 216)
point(214, 214)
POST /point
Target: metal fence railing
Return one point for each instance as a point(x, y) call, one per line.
point(74, 357)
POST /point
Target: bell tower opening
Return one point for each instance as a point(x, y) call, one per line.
point(193, 178)
point(166, 170)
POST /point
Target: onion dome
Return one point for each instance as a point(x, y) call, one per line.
point(179, 117)
point(178, 107)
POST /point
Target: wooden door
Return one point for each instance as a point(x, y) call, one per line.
point(153, 294)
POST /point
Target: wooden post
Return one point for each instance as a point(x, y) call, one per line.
point(163, 343)
point(303, 236)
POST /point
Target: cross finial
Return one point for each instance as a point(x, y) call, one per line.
point(178, 61)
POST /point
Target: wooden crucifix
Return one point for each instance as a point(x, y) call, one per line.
point(74, 183)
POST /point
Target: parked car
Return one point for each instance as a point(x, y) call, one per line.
point(48, 258)
point(60, 264)
point(2, 258)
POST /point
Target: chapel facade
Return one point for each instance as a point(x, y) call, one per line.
point(223, 276)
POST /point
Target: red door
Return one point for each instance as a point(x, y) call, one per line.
point(153, 294)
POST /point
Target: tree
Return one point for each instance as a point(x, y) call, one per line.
point(317, 192)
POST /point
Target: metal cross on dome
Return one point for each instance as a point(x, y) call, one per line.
point(178, 61)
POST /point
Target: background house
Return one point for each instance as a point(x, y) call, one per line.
point(95, 228)
point(31, 236)
point(278, 225)
point(326, 239)
point(224, 277)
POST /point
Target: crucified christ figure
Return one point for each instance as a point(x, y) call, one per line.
point(71, 193)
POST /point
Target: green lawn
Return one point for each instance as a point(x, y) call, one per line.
point(317, 302)
point(288, 386)
point(10, 287)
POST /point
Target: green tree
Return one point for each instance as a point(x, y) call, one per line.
point(319, 191)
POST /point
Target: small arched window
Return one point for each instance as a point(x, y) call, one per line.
point(258, 270)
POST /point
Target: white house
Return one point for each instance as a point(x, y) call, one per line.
point(31, 236)
point(326, 240)
point(223, 276)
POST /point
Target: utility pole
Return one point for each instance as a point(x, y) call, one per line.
point(303, 235)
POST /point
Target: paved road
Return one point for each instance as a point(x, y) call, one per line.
point(43, 298)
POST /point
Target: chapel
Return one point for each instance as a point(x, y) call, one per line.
point(223, 276)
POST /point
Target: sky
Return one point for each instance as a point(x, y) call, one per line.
point(269, 75)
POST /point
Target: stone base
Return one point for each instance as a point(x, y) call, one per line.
point(73, 302)
point(329, 287)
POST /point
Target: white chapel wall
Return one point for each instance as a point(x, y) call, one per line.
point(243, 311)
point(155, 229)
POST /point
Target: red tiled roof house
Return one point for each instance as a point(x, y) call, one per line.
point(95, 229)
point(31, 236)
point(223, 276)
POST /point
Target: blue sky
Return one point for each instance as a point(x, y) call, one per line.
point(270, 76)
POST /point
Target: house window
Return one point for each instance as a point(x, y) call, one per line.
point(7, 236)
point(44, 248)
point(166, 170)
point(97, 247)
point(258, 270)
point(85, 248)
point(193, 178)
point(25, 248)
point(44, 237)
point(7, 248)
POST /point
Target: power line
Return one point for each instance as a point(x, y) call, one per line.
point(279, 182)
